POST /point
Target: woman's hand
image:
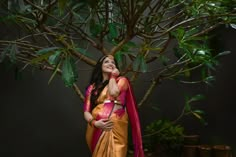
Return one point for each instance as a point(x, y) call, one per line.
point(104, 124)
point(113, 88)
point(115, 72)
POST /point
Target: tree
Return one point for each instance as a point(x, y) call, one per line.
point(168, 38)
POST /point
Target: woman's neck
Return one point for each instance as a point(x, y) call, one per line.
point(105, 76)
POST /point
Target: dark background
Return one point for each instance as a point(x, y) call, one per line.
point(41, 120)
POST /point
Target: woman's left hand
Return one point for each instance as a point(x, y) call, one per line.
point(104, 124)
point(115, 72)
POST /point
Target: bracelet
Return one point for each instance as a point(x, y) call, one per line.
point(90, 120)
point(93, 123)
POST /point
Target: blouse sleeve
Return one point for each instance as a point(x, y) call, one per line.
point(87, 104)
point(122, 83)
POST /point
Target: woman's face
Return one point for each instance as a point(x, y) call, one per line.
point(108, 64)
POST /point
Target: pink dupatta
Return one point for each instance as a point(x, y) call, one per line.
point(135, 123)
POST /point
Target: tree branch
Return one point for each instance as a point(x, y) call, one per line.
point(81, 33)
point(79, 55)
point(149, 91)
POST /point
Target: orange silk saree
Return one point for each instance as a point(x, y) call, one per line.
point(113, 143)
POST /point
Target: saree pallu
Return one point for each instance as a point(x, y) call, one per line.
point(112, 143)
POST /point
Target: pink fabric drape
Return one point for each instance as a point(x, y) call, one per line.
point(135, 122)
point(97, 132)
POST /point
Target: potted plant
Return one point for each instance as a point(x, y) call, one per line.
point(222, 151)
point(164, 138)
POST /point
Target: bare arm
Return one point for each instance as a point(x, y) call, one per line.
point(88, 116)
point(113, 88)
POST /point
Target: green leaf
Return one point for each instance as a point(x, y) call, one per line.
point(4, 53)
point(42, 57)
point(199, 111)
point(143, 65)
point(189, 33)
point(120, 25)
point(131, 44)
point(13, 52)
point(112, 30)
point(22, 6)
point(208, 80)
point(187, 106)
point(126, 47)
point(210, 65)
point(177, 52)
point(121, 60)
point(223, 53)
point(137, 63)
point(95, 28)
point(79, 5)
point(56, 69)
point(28, 20)
point(180, 32)
point(69, 71)
point(187, 73)
point(46, 50)
point(197, 115)
point(118, 58)
point(53, 59)
point(197, 98)
point(62, 5)
point(233, 25)
point(78, 16)
point(8, 18)
point(164, 60)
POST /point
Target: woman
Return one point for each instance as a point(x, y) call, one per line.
point(108, 106)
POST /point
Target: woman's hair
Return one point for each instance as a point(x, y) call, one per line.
point(97, 80)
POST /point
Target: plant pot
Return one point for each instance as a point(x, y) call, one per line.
point(163, 150)
point(222, 151)
point(205, 151)
point(191, 139)
point(190, 151)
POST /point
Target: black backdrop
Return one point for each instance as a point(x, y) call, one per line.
point(41, 120)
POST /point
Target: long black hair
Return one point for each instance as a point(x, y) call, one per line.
point(97, 80)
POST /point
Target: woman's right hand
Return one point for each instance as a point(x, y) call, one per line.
point(104, 124)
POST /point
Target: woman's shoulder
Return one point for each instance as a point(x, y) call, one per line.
point(90, 87)
point(123, 79)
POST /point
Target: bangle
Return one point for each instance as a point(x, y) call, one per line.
point(93, 123)
point(90, 120)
